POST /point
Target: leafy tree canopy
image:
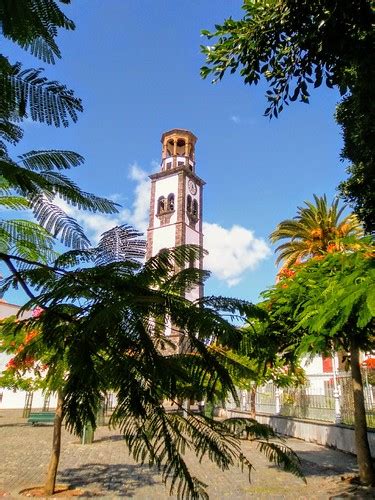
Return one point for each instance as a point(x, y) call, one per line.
point(327, 303)
point(106, 326)
point(296, 45)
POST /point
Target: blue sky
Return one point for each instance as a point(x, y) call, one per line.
point(135, 64)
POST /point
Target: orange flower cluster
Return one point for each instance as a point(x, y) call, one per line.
point(26, 363)
point(369, 363)
point(284, 273)
point(29, 337)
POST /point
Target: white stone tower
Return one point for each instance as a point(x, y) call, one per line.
point(176, 198)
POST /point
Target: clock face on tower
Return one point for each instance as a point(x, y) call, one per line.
point(192, 187)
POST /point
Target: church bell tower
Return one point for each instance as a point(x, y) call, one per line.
point(176, 198)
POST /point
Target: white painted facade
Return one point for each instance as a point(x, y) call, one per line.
point(164, 187)
point(182, 224)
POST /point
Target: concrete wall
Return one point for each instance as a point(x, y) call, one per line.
point(340, 437)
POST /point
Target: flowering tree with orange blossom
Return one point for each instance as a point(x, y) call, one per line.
point(26, 369)
point(329, 304)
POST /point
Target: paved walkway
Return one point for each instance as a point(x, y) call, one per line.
point(106, 470)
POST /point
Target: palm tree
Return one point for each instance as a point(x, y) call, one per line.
point(317, 229)
point(105, 326)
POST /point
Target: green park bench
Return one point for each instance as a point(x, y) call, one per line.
point(43, 417)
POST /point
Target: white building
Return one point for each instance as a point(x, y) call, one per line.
point(10, 399)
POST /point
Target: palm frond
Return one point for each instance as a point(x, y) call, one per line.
point(249, 428)
point(40, 189)
point(275, 450)
point(73, 258)
point(185, 281)
point(316, 230)
point(57, 183)
point(168, 260)
point(224, 304)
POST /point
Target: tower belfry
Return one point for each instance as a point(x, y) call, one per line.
point(176, 198)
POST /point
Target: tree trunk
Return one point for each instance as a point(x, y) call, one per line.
point(50, 483)
point(253, 395)
point(366, 468)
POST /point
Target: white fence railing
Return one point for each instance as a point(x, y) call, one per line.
point(325, 397)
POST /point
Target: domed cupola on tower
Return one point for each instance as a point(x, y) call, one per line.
point(178, 149)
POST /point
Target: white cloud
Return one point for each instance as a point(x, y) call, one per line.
point(232, 251)
point(137, 215)
point(235, 119)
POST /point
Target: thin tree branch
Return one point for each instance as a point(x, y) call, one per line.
point(5, 256)
point(16, 273)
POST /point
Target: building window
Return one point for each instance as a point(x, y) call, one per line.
point(161, 205)
point(169, 165)
point(188, 204)
point(195, 208)
point(171, 202)
point(180, 147)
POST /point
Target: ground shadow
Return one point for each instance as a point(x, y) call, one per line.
point(116, 437)
point(20, 424)
point(115, 479)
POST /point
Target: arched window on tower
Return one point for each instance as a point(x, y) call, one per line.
point(171, 202)
point(195, 208)
point(161, 205)
point(170, 146)
point(180, 147)
point(188, 204)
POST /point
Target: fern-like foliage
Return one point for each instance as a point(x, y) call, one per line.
point(121, 243)
point(106, 325)
point(58, 223)
point(33, 25)
point(26, 239)
point(51, 159)
point(269, 443)
point(35, 181)
point(19, 237)
point(26, 92)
